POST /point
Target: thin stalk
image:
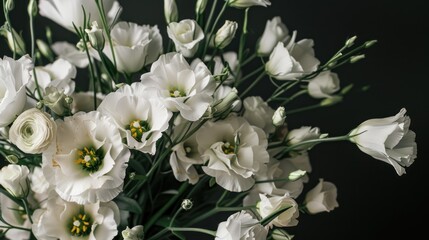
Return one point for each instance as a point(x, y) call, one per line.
point(216, 210)
point(209, 20)
point(200, 230)
point(250, 75)
point(106, 27)
point(10, 28)
point(213, 28)
point(293, 97)
point(303, 109)
point(27, 210)
point(254, 83)
point(32, 54)
point(242, 45)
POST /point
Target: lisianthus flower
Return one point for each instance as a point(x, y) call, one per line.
point(322, 198)
point(14, 76)
point(186, 35)
point(67, 13)
point(241, 226)
point(87, 161)
point(13, 178)
point(234, 152)
point(324, 85)
point(258, 113)
point(182, 88)
point(141, 120)
point(67, 220)
point(275, 31)
point(388, 139)
point(70, 53)
point(269, 205)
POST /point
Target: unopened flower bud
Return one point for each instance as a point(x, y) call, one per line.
point(357, 58)
point(39, 105)
point(14, 40)
point(200, 6)
point(32, 8)
point(12, 159)
point(295, 175)
point(187, 204)
point(10, 5)
point(49, 34)
point(370, 43)
point(331, 101)
point(96, 37)
point(80, 45)
point(225, 34)
point(170, 11)
point(56, 101)
point(69, 100)
point(227, 102)
point(351, 41)
point(279, 117)
point(44, 49)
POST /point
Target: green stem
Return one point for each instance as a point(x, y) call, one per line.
point(250, 75)
point(106, 27)
point(10, 28)
point(200, 230)
point(27, 210)
point(293, 97)
point(241, 46)
point(254, 83)
point(317, 141)
point(209, 20)
point(211, 33)
point(303, 109)
point(32, 55)
point(216, 210)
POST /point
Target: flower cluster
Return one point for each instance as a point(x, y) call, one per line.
point(165, 136)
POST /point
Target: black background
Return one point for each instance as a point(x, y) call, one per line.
point(375, 203)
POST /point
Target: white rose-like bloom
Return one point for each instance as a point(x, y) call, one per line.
point(186, 36)
point(183, 88)
point(67, 220)
point(14, 76)
point(248, 3)
point(58, 74)
point(388, 139)
point(268, 206)
point(225, 34)
point(141, 120)
point(33, 131)
point(324, 85)
point(275, 31)
point(135, 46)
point(88, 160)
point(135, 233)
point(65, 13)
point(279, 117)
point(14, 179)
point(305, 133)
point(15, 215)
point(258, 113)
point(70, 53)
point(234, 152)
point(241, 226)
point(322, 198)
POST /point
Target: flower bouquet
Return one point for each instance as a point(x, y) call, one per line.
point(169, 130)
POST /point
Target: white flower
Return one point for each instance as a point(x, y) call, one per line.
point(292, 61)
point(95, 36)
point(305, 133)
point(241, 226)
point(33, 131)
point(135, 233)
point(66, 220)
point(268, 206)
point(88, 160)
point(70, 53)
point(200, 6)
point(14, 179)
point(65, 13)
point(186, 36)
point(279, 117)
point(141, 120)
point(258, 113)
point(14, 75)
point(324, 85)
point(248, 3)
point(58, 74)
point(135, 46)
point(234, 152)
point(56, 101)
point(15, 215)
point(231, 59)
point(225, 34)
point(40, 186)
point(322, 198)
point(183, 89)
point(170, 11)
point(388, 139)
point(84, 101)
point(275, 31)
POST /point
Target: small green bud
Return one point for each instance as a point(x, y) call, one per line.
point(357, 58)
point(331, 101)
point(44, 49)
point(12, 159)
point(187, 204)
point(200, 6)
point(351, 41)
point(14, 40)
point(32, 8)
point(370, 43)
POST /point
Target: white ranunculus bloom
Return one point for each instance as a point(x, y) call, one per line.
point(225, 34)
point(275, 31)
point(70, 53)
point(65, 13)
point(67, 220)
point(248, 3)
point(141, 120)
point(135, 46)
point(322, 198)
point(287, 218)
point(14, 179)
point(241, 226)
point(388, 139)
point(14, 76)
point(183, 88)
point(234, 152)
point(258, 113)
point(186, 36)
point(33, 131)
point(59, 74)
point(15, 215)
point(84, 101)
point(135, 233)
point(305, 133)
point(324, 85)
point(88, 160)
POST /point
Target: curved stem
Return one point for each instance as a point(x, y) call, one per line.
point(200, 230)
point(252, 85)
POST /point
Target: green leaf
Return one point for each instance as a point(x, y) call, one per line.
point(128, 204)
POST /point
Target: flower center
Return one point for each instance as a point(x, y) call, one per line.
point(137, 128)
point(175, 93)
point(228, 148)
point(90, 159)
point(80, 225)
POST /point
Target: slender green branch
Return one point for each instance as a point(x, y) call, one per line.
point(254, 83)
